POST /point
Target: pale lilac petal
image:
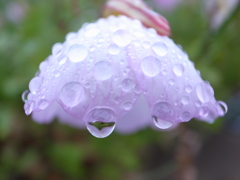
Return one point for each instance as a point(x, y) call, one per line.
point(116, 72)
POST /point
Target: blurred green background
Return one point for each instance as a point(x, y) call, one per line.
point(195, 150)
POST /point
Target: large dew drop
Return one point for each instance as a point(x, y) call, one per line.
point(127, 84)
point(204, 92)
point(151, 66)
point(102, 70)
point(160, 48)
point(77, 53)
point(101, 122)
point(43, 104)
point(71, 94)
point(162, 115)
point(178, 69)
point(122, 38)
point(35, 84)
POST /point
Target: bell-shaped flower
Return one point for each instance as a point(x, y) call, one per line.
point(116, 73)
point(137, 9)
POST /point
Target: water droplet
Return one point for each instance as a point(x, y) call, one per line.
point(163, 115)
point(160, 48)
point(102, 70)
point(43, 104)
point(57, 49)
point(222, 108)
point(77, 53)
point(204, 111)
point(62, 59)
point(151, 66)
point(146, 44)
point(113, 49)
point(137, 89)
point(186, 116)
point(127, 84)
point(188, 88)
point(137, 43)
point(178, 69)
point(92, 48)
point(171, 82)
point(35, 84)
point(91, 30)
point(28, 107)
point(71, 94)
point(204, 92)
point(117, 99)
point(57, 73)
point(127, 106)
point(185, 100)
point(122, 37)
point(161, 123)
point(101, 122)
point(25, 95)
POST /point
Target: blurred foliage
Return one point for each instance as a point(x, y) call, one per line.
point(55, 151)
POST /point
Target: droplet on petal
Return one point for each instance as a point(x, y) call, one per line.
point(113, 49)
point(102, 70)
point(160, 48)
point(122, 37)
point(71, 94)
point(35, 84)
point(188, 88)
point(185, 100)
point(127, 106)
point(151, 66)
point(161, 123)
point(43, 104)
point(203, 112)
point(101, 122)
point(178, 69)
point(127, 84)
point(77, 53)
point(186, 116)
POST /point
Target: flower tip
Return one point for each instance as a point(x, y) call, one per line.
point(138, 10)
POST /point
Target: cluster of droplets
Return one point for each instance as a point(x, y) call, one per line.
point(104, 72)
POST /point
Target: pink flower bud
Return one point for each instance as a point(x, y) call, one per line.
point(116, 73)
point(137, 9)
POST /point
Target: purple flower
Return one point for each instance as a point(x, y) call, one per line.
point(116, 72)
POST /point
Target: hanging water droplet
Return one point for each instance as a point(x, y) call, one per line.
point(204, 111)
point(71, 94)
point(113, 49)
point(163, 115)
point(127, 106)
point(188, 88)
point(161, 123)
point(35, 84)
point(204, 92)
point(101, 122)
point(127, 84)
point(151, 66)
point(25, 95)
point(178, 69)
point(43, 104)
point(77, 53)
point(62, 59)
point(102, 70)
point(160, 48)
point(222, 108)
point(28, 107)
point(122, 37)
point(186, 116)
point(185, 100)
